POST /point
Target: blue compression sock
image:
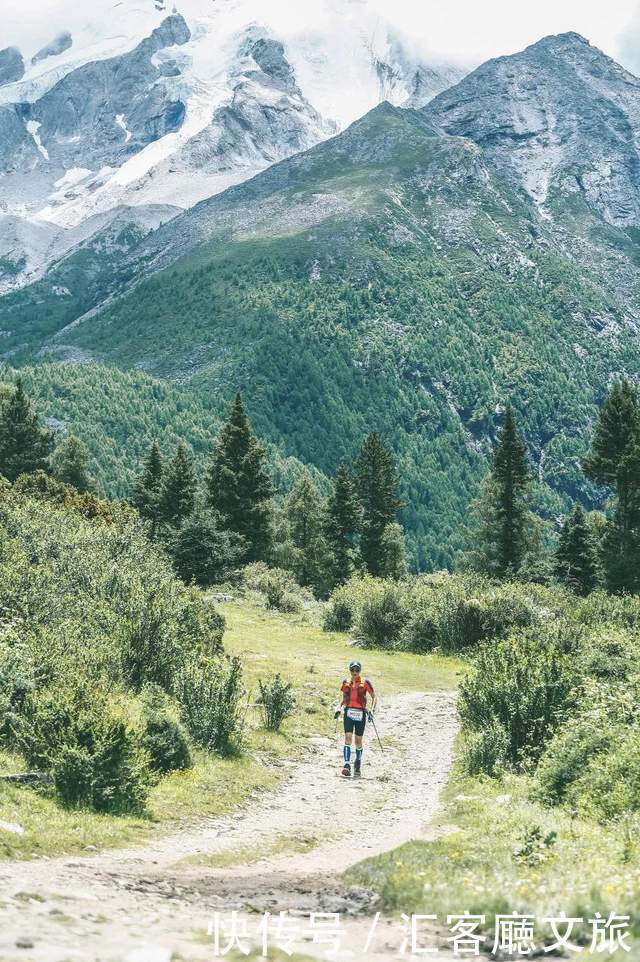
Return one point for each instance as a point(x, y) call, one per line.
point(347, 753)
point(358, 756)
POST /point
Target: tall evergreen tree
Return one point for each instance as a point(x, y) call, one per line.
point(614, 460)
point(622, 537)
point(24, 446)
point(576, 561)
point(394, 552)
point(70, 463)
point(305, 511)
point(505, 525)
point(239, 485)
point(618, 426)
point(377, 489)
point(342, 525)
point(147, 487)
point(178, 494)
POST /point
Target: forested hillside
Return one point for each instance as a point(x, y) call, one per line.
point(394, 278)
point(119, 413)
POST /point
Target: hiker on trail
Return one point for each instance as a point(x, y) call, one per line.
point(353, 705)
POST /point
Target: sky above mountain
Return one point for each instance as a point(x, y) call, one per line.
point(464, 31)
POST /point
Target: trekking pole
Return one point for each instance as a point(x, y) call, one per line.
point(376, 731)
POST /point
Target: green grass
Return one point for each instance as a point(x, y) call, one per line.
point(268, 642)
point(470, 865)
point(279, 845)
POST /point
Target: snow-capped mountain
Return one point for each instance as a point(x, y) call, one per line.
point(133, 103)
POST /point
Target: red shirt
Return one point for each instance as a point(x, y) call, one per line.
point(354, 693)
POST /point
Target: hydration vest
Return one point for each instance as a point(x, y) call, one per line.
point(355, 696)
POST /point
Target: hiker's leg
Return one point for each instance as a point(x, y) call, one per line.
point(359, 739)
point(348, 738)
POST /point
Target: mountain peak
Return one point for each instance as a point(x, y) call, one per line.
point(568, 39)
point(559, 118)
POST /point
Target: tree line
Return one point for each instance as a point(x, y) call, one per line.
point(233, 516)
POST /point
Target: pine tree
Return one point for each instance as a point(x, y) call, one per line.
point(147, 488)
point(70, 463)
point(178, 494)
point(342, 525)
point(505, 525)
point(239, 486)
point(394, 552)
point(377, 485)
point(305, 511)
point(622, 537)
point(576, 561)
point(24, 446)
point(618, 426)
point(614, 460)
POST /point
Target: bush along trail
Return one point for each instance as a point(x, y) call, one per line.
point(283, 851)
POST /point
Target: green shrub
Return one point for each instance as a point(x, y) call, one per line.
point(210, 699)
point(567, 757)
point(422, 631)
point(96, 600)
point(565, 770)
point(610, 653)
point(600, 608)
point(340, 612)
point(17, 681)
point(613, 786)
point(486, 751)
point(276, 586)
point(87, 744)
point(276, 701)
point(383, 615)
point(524, 683)
point(163, 736)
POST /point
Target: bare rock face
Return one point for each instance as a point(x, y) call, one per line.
point(110, 109)
point(265, 119)
point(559, 119)
point(97, 115)
point(11, 65)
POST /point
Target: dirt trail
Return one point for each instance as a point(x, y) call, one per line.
point(283, 852)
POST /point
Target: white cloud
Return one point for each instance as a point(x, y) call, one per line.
point(467, 31)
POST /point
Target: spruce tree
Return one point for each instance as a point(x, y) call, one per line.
point(622, 537)
point(618, 427)
point(70, 463)
point(576, 561)
point(614, 460)
point(394, 552)
point(342, 526)
point(305, 511)
point(147, 488)
point(239, 485)
point(505, 525)
point(178, 494)
point(377, 490)
point(25, 447)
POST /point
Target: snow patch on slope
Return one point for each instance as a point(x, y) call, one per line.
point(33, 126)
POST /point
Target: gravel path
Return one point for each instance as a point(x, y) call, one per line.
point(283, 852)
